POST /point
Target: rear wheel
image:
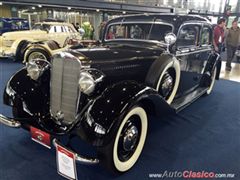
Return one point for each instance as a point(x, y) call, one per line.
point(169, 80)
point(124, 150)
point(212, 81)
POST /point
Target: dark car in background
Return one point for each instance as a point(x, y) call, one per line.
point(13, 24)
point(145, 65)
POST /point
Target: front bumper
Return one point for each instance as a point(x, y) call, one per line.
point(79, 159)
point(10, 122)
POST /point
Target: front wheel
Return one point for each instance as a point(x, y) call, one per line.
point(124, 150)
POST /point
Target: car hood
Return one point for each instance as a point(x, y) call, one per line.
point(18, 34)
point(119, 52)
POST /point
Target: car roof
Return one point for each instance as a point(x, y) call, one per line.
point(172, 18)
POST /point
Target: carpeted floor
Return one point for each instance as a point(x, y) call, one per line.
point(203, 137)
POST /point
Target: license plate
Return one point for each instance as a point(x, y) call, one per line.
point(66, 163)
point(40, 137)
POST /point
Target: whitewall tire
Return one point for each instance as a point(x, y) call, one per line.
point(124, 149)
point(213, 78)
point(173, 65)
point(124, 166)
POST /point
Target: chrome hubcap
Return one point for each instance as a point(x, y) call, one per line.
point(130, 138)
point(167, 85)
point(36, 55)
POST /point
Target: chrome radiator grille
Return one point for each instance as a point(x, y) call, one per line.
point(64, 93)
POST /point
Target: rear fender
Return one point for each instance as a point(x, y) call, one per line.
point(214, 60)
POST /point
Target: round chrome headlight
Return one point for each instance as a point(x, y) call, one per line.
point(86, 83)
point(33, 70)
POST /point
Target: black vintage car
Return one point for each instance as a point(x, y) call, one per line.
point(145, 65)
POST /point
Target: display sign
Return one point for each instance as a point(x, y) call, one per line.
point(66, 163)
point(41, 137)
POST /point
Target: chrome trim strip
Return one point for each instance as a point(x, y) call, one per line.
point(178, 53)
point(9, 122)
point(80, 159)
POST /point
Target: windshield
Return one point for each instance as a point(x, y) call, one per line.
point(43, 27)
point(138, 31)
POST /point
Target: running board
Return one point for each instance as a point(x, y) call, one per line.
point(184, 101)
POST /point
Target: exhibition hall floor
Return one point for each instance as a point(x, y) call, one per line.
point(203, 137)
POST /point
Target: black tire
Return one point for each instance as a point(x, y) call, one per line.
point(37, 50)
point(118, 156)
point(157, 72)
point(21, 50)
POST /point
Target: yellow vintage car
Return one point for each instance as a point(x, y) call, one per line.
point(14, 44)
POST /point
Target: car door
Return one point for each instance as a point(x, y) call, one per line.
point(188, 54)
point(206, 40)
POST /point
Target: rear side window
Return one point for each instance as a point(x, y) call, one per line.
point(69, 29)
point(58, 29)
point(188, 35)
point(206, 36)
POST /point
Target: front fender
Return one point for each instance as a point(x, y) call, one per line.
point(34, 94)
point(101, 120)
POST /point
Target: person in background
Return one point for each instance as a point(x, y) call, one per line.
point(78, 26)
point(218, 35)
point(74, 26)
point(232, 40)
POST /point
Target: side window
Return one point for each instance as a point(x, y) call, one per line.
point(206, 35)
point(188, 36)
point(58, 29)
point(52, 29)
point(69, 29)
point(63, 29)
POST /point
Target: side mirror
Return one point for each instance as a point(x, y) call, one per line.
point(170, 38)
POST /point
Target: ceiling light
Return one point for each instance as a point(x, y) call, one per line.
point(33, 7)
point(1, 3)
point(69, 8)
point(97, 10)
point(124, 12)
point(39, 5)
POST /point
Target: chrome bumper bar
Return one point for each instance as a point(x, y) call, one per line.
point(10, 122)
point(79, 159)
